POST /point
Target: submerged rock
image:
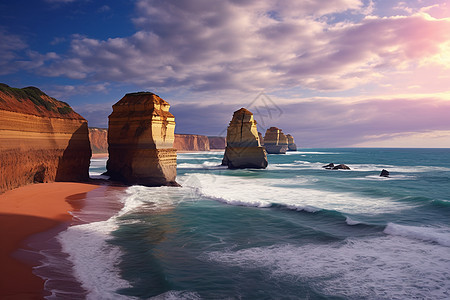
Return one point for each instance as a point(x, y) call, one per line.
point(329, 166)
point(384, 173)
point(140, 139)
point(291, 143)
point(243, 146)
point(341, 167)
point(275, 141)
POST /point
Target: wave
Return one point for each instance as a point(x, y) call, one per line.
point(369, 268)
point(430, 234)
point(265, 192)
point(95, 260)
point(208, 165)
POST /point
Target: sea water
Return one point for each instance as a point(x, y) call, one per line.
point(292, 231)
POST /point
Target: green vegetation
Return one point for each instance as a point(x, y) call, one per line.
point(35, 95)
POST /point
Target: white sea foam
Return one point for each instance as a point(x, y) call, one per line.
point(263, 192)
point(177, 295)
point(370, 268)
point(95, 260)
point(440, 235)
point(351, 222)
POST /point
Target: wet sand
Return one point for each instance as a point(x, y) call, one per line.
point(24, 212)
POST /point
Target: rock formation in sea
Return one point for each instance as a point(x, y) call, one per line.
point(41, 139)
point(291, 143)
point(191, 142)
point(217, 142)
point(384, 173)
point(275, 141)
point(243, 147)
point(261, 138)
point(341, 167)
point(329, 166)
point(99, 139)
point(140, 140)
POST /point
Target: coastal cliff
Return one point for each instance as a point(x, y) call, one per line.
point(217, 142)
point(41, 139)
point(140, 141)
point(275, 141)
point(243, 147)
point(99, 139)
point(191, 142)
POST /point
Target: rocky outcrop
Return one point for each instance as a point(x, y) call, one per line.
point(140, 140)
point(341, 167)
point(243, 147)
point(191, 142)
point(291, 143)
point(261, 139)
point(217, 142)
point(41, 139)
point(329, 166)
point(384, 173)
point(275, 141)
point(99, 139)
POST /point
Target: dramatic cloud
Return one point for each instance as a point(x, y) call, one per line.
point(249, 45)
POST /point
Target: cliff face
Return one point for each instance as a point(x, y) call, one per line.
point(99, 139)
point(291, 143)
point(217, 142)
point(191, 142)
point(140, 140)
point(41, 139)
point(275, 141)
point(243, 147)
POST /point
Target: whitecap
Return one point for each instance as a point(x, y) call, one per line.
point(440, 235)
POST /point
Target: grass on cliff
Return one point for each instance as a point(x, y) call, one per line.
point(34, 94)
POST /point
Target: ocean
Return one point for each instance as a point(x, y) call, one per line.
point(292, 231)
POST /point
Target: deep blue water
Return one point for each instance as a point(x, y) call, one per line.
point(291, 231)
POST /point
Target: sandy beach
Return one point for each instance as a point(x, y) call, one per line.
point(24, 212)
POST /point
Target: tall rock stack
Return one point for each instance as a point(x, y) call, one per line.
point(275, 141)
point(41, 139)
point(140, 141)
point(243, 147)
point(291, 143)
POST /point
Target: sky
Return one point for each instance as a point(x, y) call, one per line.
point(333, 73)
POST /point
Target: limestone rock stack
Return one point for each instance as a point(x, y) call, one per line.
point(261, 139)
point(275, 141)
point(291, 143)
point(41, 139)
point(140, 139)
point(243, 147)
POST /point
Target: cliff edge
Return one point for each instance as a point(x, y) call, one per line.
point(41, 139)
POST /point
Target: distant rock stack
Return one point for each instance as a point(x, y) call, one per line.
point(275, 141)
point(140, 139)
point(243, 146)
point(41, 139)
point(291, 144)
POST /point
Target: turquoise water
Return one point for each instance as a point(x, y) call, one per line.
point(292, 231)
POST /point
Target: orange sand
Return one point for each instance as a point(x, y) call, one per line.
point(23, 212)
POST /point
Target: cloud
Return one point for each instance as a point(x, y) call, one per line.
point(249, 45)
point(10, 47)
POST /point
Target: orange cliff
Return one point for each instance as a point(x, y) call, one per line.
point(99, 139)
point(41, 139)
point(140, 141)
point(191, 142)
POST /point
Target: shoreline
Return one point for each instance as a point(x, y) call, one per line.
point(27, 211)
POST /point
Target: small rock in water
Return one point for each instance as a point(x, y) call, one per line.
point(329, 166)
point(384, 173)
point(341, 167)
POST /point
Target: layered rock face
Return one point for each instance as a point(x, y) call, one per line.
point(99, 139)
point(243, 147)
point(140, 139)
point(191, 142)
point(291, 143)
point(41, 139)
point(275, 141)
point(217, 142)
point(261, 139)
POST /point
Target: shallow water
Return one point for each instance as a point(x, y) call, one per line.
point(294, 230)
